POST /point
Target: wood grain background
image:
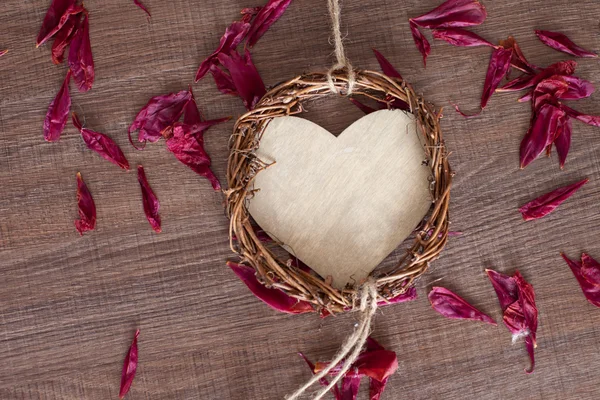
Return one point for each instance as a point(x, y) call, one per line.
point(69, 305)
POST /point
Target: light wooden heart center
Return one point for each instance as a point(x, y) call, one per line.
point(341, 205)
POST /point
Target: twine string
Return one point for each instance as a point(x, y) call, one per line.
point(340, 55)
point(351, 348)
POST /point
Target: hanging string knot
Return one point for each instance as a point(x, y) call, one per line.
point(341, 61)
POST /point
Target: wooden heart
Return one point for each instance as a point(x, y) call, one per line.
point(341, 205)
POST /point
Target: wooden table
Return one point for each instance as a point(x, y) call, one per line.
point(69, 305)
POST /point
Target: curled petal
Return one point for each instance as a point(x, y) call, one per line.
point(63, 38)
point(58, 112)
point(56, 17)
point(245, 77)
point(505, 287)
point(101, 144)
point(386, 66)
point(81, 61)
point(129, 366)
point(86, 206)
point(453, 14)
point(559, 41)
point(518, 58)
point(266, 16)
point(590, 269)
point(544, 205)
point(591, 290)
point(142, 6)
point(450, 305)
point(541, 133)
point(420, 41)
point(460, 37)
point(274, 298)
point(149, 200)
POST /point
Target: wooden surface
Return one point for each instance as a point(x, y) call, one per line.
point(342, 204)
point(69, 305)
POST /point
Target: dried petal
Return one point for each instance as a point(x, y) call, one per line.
point(350, 386)
point(376, 364)
point(159, 114)
point(274, 298)
point(559, 41)
point(518, 58)
point(577, 88)
point(233, 36)
point(505, 287)
point(527, 303)
point(223, 81)
point(3, 52)
point(497, 70)
point(386, 66)
point(562, 68)
point(460, 37)
point(590, 269)
point(245, 77)
point(323, 381)
point(541, 133)
point(188, 147)
point(453, 14)
point(450, 305)
point(57, 15)
point(81, 61)
point(591, 289)
point(420, 41)
point(142, 6)
point(58, 112)
point(592, 120)
point(150, 201)
point(86, 206)
point(267, 16)
point(409, 295)
point(563, 140)
point(544, 205)
point(193, 118)
point(63, 38)
point(101, 144)
point(129, 366)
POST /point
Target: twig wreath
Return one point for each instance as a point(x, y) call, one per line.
point(243, 166)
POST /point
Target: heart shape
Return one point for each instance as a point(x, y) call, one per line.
point(341, 205)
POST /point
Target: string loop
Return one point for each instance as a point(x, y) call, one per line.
point(340, 55)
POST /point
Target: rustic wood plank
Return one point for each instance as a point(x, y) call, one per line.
point(69, 305)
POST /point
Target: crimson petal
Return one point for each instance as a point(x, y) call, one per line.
point(386, 66)
point(453, 14)
point(267, 16)
point(142, 6)
point(460, 37)
point(58, 112)
point(245, 77)
point(274, 298)
point(505, 288)
point(63, 38)
point(590, 269)
point(149, 200)
point(158, 115)
point(233, 36)
point(544, 205)
point(450, 305)
point(497, 70)
point(541, 133)
point(518, 59)
point(592, 120)
point(57, 15)
point(101, 144)
point(591, 290)
point(86, 207)
point(559, 41)
point(81, 61)
point(420, 41)
point(129, 366)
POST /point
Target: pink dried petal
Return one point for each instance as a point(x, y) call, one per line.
point(590, 269)
point(460, 37)
point(453, 14)
point(420, 41)
point(497, 70)
point(63, 38)
point(57, 15)
point(450, 305)
point(505, 287)
point(577, 88)
point(188, 148)
point(591, 290)
point(323, 381)
point(233, 36)
point(58, 112)
point(142, 6)
point(559, 41)
point(3, 52)
point(386, 66)
point(86, 207)
point(563, 140)
point(267, 16)
point(129, 366)
point(544, 205)
point(149, 200)
point(158, 115)
point(592, 120)
point(409, 295)
point(81, 61)
point(245, 77)
point(350, 386)
point(518, 59)
point(541, 133)
point(274, 298)
point(527, 303)
point(101, 144)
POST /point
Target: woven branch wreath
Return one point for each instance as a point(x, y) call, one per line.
point(243, 165)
